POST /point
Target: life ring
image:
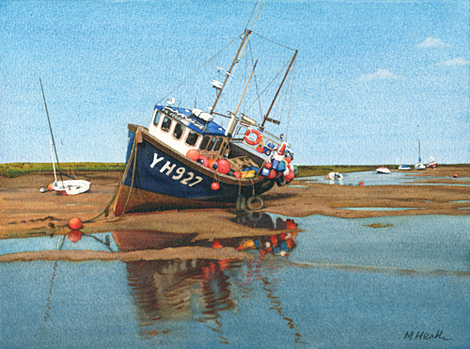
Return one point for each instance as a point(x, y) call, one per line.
point(258, 137)
point(254, 203)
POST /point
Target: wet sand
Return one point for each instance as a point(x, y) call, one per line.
point(26, 212)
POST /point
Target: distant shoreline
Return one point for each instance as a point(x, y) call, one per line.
point(12, 170)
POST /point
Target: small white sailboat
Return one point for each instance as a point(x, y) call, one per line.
point(335, 176)
point(404, 168)
point(67, 187)
point(383, 170)
point(419, 166)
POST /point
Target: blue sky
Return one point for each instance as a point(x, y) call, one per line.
point(367, 73)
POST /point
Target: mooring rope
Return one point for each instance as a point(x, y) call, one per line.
point(106, 210)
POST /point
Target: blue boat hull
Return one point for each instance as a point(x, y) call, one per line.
point(159, 178)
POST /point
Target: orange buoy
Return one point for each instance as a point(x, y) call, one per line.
point(212, 164)
point(75, 223)
point(75, 236)
point(456, 175)
point(50, 187)
point(215, 186)
point(216, 244)
point(361, 183)
point(223, 166)
point(290, 224)
point(260, 149)
point(193, 154)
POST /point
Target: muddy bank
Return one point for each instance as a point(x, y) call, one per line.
point(27, 212)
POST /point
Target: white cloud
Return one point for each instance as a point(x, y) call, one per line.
point(382, 74)
point(459, 61)
point(432, 43)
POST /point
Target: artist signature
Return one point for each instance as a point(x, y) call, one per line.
point(424, 335)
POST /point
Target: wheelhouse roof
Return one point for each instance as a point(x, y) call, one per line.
point(187, 118)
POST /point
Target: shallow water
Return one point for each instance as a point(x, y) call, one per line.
point(374, 178)
point(360, 283)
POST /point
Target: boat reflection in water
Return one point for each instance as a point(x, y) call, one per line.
point(166, 292)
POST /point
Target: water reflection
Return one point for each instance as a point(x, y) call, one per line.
point(171, 292)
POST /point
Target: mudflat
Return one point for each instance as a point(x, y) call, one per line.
point(25, 211)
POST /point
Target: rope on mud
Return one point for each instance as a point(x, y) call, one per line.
point(106, 210)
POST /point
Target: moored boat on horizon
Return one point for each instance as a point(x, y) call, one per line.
point(383, 170)
point(187, 159)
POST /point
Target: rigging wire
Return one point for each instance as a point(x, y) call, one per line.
point(177, 87)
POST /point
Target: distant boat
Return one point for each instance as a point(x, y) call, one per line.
point(335, 176)
point(185, 159)
point(404, 168)
point(419, 165)
point(68, 187)
point(383, 170)
point(432, 162)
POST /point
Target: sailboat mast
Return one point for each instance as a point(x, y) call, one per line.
point(419, 147)
point(52, 135)
point(266, 118)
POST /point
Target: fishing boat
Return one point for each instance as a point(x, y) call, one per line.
point(383, 170)
point(404, 168)
point(419, 165)
point(186, 158)
point(60, 186)
point(432, 162)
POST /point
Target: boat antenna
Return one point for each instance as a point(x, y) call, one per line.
point(50, 128)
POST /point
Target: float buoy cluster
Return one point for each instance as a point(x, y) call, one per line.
point(75, 224)
point(278, 245)
point(280, 166)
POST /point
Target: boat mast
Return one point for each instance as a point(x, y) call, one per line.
point(266, 118)
point(419, 147)
point(227, 75)
point(52, 135)
point(238, 55)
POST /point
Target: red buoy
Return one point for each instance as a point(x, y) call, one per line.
point(272, 174)
point(75, 223)
point(361, 183)
point(215, 186)
point(75, 236)
point(268, 165)
point(193, 154)
point(203, 160)
point(216, 244)
point(223, 166)
point(237, 174)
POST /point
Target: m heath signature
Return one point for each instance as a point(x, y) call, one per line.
point(423, 335)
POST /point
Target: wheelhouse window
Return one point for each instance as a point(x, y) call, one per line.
point(204, 143)
point(192, 138)
point(211, 144)
point(178, 132)
point(218, 144)
point(166, 124)
point(157, 118)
